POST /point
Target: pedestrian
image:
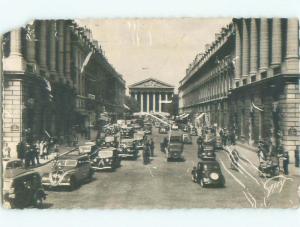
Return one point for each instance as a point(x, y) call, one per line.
point(27, 155)
point(37, 151)
point(286, 162)
point(224, 137)
point(32, 154)
point(21, 147)
point(6, 151)
point(152, 147)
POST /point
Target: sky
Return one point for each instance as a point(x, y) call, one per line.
point(158, 48)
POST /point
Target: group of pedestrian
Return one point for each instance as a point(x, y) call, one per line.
point(31, 151)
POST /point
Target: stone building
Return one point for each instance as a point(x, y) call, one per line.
point(260, 80)
point(152, 95)
point(55, 77)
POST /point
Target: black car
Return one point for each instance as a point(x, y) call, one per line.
point(206, 151)
point(208, 173)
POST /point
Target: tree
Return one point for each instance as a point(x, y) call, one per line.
point(132, 104)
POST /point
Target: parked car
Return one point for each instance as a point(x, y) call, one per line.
point(174, 127)
point(193, 131)
point(139, 137)
point(68, 170)
point(185, 128)
point(22, 187)
point(128, 148)
point(219, 144)
point(148, 128)
point(186, 138)
point(208, 173)
point(163, 130)
point(127, 132)
point(107, 158)
point(174, 148)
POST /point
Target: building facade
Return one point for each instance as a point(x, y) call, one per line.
point(55, 78)
point(152, 95)
point(256, 88)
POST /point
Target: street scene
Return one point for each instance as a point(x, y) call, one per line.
point(151, 113)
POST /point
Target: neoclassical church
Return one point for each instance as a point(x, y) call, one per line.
point(152, 95)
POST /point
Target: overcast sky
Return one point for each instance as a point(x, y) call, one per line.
point(158, 48)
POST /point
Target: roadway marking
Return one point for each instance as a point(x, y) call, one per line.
point(234, 177)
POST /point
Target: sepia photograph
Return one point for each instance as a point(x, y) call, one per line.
point(151, 113)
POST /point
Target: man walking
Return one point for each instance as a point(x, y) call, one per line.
point(152, 147)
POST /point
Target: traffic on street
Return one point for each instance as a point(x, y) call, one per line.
point(150, 161)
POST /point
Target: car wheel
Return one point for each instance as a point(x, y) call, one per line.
point(73, 183)
point(37, 201)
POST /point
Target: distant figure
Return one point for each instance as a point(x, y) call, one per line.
point(152, 147)
point(286, 162)
point(21, 148)
point(6, 151)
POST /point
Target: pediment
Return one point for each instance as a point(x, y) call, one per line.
point(151, 83)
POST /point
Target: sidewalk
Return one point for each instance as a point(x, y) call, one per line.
point(249, 153)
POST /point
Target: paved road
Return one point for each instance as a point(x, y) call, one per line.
point(169, 185)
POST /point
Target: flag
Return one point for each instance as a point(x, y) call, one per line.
point(86, 61)
point(49, 89)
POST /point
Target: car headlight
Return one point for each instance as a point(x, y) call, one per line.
point(214, 176)
point(107, 159)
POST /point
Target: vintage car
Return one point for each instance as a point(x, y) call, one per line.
point(156, 124)
point(21, 187)
point(68, 170)
point(106, 158)
point(206, 151)
point(148, 128)
point(186, 138)
point(110, 141)
point(127, 132)
point(193, 131)
point(174, 148)
point(208, 173)
point(88, 148)
point(219, 144)
point(185, 128)
point(138, 138)
point(127, 148)
point(174, 127)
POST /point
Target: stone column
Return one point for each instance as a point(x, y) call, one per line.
point(60, 56)
point(68, 53)
point(52, 47)
point(15, 61)
point(136, 96)
point(292, 51)
point(142, 102)
point(238, 56)
point(148, 102)
point(30, 43)
point(264, 45)
point(159, 102)
point(154, 102)
point(42, 40)
point(245, 50)
point(253, 47)
point(276, 41)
